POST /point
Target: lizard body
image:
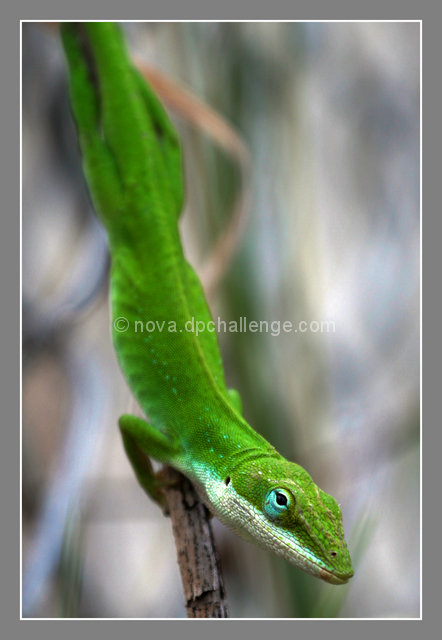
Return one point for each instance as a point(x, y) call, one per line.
point(133, 166)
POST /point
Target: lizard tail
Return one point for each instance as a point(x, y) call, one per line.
point(129, 146)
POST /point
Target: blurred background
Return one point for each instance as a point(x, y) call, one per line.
point(330, 114)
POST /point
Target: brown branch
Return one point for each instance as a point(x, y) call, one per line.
point(198, 561)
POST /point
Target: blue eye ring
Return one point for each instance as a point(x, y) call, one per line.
point(277, 502)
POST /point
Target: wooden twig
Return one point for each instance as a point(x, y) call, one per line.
point(198, 561)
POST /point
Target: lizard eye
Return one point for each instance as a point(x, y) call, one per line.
point(276, 502)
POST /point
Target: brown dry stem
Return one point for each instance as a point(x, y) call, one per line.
point(198, 561)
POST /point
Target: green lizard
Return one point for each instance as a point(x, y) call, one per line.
point(133, 165)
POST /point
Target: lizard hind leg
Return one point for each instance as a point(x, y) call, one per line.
point(142, 441)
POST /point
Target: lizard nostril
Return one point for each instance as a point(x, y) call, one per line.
point(227, 480)
point(333, 554)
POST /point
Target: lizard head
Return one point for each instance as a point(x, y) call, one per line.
point(277, 504)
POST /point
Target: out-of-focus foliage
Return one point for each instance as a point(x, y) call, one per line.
point(330, 112)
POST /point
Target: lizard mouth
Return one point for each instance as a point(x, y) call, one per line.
point(334, 578)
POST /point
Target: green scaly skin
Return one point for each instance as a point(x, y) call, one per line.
point(133, 165)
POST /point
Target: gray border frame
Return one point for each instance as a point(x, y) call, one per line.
point(9, 266)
